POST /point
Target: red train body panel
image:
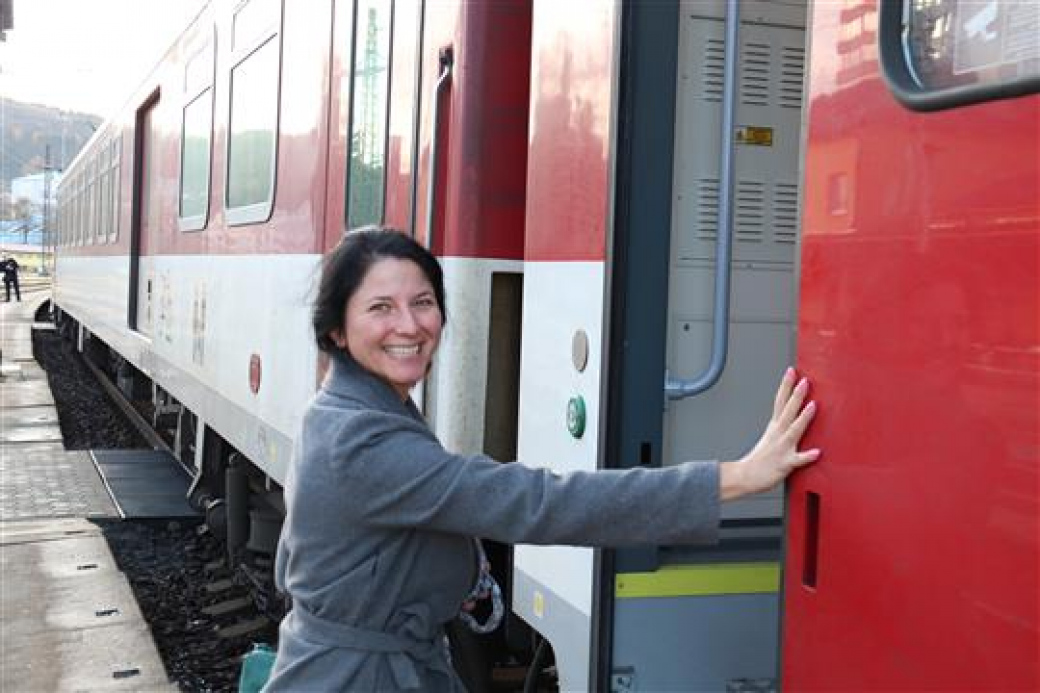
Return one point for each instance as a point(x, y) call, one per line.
point(568, 191)
point(919, 323)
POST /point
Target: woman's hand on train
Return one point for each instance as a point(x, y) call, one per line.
point(776, 454)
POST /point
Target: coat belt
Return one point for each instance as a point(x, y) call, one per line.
point(402, 652)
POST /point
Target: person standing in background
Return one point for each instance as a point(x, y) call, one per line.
point(10, 268)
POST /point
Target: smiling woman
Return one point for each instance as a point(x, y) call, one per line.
point(392, 324)
point(381, 300)
point(380, 551)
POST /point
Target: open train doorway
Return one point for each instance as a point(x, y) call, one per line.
point(711, 163)
point(144, 219)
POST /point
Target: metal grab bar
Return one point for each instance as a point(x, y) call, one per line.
point(447, 61)
point(678, 388)
point(446, 58)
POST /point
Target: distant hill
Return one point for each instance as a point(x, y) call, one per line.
point(29, 128)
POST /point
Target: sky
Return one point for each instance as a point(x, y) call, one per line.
point(87, 55)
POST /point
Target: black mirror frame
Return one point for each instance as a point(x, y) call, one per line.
point(904, 86)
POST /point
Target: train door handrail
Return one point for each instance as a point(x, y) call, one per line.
point(447, 60)
point(679, 388)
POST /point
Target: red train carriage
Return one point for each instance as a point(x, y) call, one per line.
point(668, 202)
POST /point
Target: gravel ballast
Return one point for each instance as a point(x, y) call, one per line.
point(174, 567)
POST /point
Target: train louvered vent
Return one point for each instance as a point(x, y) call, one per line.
point(754, 78)
point(714, 62)
point(792, 73)
point(749, 211)
point(707, 208)
point(785, 212)
point(757, 79)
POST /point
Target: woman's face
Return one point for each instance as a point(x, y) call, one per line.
point(392, 324)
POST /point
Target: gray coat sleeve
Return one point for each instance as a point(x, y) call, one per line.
point(398, 475)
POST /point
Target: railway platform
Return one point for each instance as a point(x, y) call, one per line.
point(68, 617)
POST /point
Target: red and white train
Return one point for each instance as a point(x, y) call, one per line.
point(644, 210)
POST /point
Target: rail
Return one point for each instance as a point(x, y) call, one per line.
point(679, 388)
point(447, 60)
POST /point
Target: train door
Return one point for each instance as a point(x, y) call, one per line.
point(913, 557)
point(145, 219)
point(716, 294)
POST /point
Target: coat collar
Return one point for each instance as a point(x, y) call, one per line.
point(349, 380)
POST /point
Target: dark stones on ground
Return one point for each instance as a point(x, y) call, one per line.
point(165, 561)
point(87, 417)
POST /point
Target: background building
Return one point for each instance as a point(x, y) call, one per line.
point(33, 188)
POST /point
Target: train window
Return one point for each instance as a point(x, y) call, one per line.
point(106, 193)
point(253, 130)
point(113, 228)
point(251, 150)
point(69, 196)
point(198, 71)
point(945, 53)
point(81, 187)
point(100, 179)
point(58, 213)
point(81, 202)
point(99, 198)
point(84, 206)
point(84, 231)
point(74, 208)
point(112, 212)
point(196, 137)
point(92, 198)
point(368, 116)
point(195, 163)
point(253, 20)
point(103, 197)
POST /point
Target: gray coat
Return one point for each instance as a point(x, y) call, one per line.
point(377, 552)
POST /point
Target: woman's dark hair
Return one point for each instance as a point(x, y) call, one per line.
point(346, 266)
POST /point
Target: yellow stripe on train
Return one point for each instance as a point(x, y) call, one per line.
point(700, 580)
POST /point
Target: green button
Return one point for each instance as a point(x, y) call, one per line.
point(576, 416)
